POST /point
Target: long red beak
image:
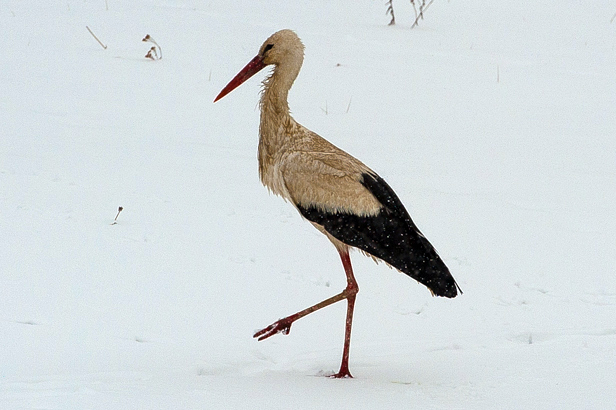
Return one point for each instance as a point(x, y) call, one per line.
point(252, 68)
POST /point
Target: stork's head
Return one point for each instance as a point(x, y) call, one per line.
point(281, 48)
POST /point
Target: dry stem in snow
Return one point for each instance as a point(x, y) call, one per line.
point(153, 54)
point(96, 38)
point(422, 7)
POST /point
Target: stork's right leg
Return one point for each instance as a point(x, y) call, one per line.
point(284, 325)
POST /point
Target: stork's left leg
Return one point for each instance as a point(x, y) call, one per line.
point(353, 289)
point(284, 325)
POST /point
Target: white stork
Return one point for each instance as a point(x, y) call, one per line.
point(343, 198)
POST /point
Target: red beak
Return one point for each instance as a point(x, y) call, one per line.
point(252, 68)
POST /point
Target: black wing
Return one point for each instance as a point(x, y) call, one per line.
point(390, 236)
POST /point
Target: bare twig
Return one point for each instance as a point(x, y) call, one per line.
point(422, 7)
point(415, 8)
point(613, 17)
point(349, 106)
point(96, 38)
point(421, 10)
point(390, 11)
point(419, 14)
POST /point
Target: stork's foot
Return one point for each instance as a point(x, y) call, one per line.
point(342, 374)
point(282, 326)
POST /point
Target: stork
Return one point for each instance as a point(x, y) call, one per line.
point(343, 198)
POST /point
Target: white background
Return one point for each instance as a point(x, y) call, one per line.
point(495, 122)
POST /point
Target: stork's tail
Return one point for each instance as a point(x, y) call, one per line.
point(438, 279)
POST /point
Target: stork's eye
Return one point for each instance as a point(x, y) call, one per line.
point(267, 48)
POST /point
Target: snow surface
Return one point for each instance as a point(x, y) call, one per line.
point(494, 122)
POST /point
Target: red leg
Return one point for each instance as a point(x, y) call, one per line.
point(284, 325)
point(352, 288)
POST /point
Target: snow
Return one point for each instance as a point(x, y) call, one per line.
point(493, 122)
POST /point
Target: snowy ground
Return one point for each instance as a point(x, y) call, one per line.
point(495, 123)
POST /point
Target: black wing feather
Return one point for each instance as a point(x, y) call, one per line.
point(390, 236)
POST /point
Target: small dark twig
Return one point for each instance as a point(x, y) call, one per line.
point(96, 38)
point(115, 220)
